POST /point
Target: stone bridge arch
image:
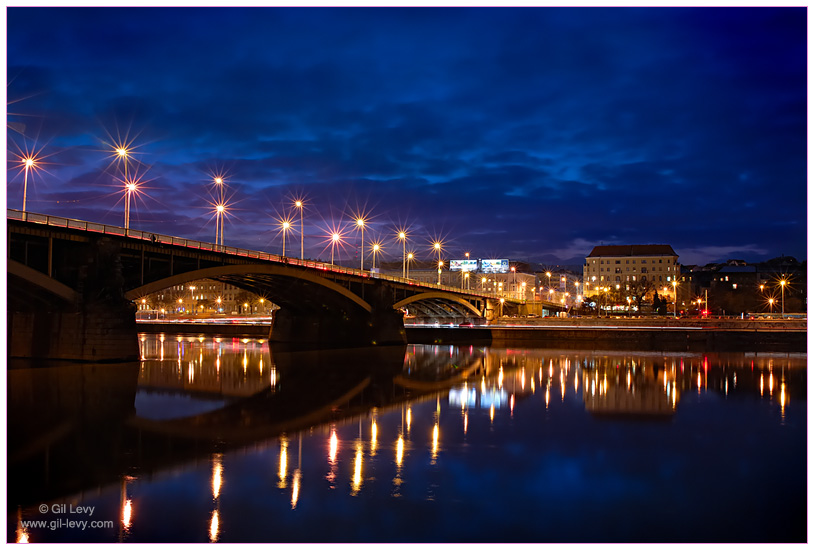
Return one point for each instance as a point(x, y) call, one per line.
point(268, 279)
point(41, 281)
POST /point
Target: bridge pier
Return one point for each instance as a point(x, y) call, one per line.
point(48, 320)
point(350, 327)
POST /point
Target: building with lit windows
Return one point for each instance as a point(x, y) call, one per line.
point(510, 284)
point(631, 267)
point(204, 296)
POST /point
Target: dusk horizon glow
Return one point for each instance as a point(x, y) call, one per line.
point(532, 134)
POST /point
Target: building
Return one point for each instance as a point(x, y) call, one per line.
point(639, 268)
point(204, 296)
point(512, 283)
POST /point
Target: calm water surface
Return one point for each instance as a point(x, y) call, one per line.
point(221, 439)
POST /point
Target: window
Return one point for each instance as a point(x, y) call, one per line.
point(601, 278)
point(645, 270)
point(616, 262)
point(735, 285)
point(617, 271)
point(643, 261)
point(660, 261)
point(618, 280)
point(626, 261)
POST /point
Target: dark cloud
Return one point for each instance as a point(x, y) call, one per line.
point(533, 133)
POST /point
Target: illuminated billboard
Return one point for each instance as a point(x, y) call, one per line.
point(463, 265)
point(495, 266)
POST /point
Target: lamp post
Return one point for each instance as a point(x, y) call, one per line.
point(29, 163)
point(299, 204)
point(286, 225)
point(467, 279)
point(335, 237)
point(501, 311)
point(549, 277)
point(676, 296)
point(402, 236)
point(361, 226)
point(130, 188)
point(219, 211)
point(483, 282)
point(219, 215)
point(441, 265)
point(771, 300)
point(407, 265)
point(783, 283)
point(375, 249)
point(437, 248)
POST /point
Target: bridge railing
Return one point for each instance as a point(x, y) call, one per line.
point(96, 227)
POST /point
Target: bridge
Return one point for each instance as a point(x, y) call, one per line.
point(76, 281)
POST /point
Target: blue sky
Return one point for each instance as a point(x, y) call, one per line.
point(523, 133)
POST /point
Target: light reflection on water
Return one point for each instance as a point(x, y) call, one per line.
point(457, 444)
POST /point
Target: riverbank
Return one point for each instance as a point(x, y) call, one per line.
point(575, 333)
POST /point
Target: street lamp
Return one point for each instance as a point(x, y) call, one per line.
point(299, 204)
point(28, 163)
point(783, 283)
point(441, 265)
point(220, 209)
point(467, 279)
point(501, 311)
point(549, 276)
point(771, 300)
point(375, 248)
point(437, 248)
point(130, 189)
point(335, 238)
point(483, 282)
point(407, 265)
point(361, 226)
point(676, 296)
point(523, 290)
point(285, 226)
point(402, 236)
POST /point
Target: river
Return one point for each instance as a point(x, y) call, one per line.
point(222, 439)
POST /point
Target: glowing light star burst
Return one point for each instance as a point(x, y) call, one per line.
point(334, 238)
point(401, 235)
point(360, 219)
point(28, 160)
point(300, 203)
point(220, 203)
point(221, 211)
point(286, 225)
point(376, 248)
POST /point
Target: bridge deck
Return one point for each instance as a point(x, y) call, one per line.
point(333, 269)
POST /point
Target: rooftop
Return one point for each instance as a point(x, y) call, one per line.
point(632, 250)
